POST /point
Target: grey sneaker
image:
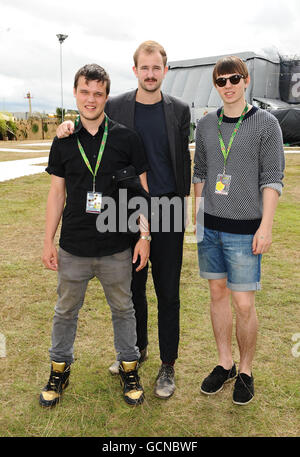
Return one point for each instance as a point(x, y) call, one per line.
point(165, 383)
point(114, 368)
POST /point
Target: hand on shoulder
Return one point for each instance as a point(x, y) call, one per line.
point(65, 129)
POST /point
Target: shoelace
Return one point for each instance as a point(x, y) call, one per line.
point(54, 383)
point(242, 382)
point(56, 380)
point(132, 379)
point(166, 372)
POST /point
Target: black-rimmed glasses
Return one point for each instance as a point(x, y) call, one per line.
point(234, 79)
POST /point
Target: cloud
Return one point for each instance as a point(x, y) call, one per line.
point(275, 15)
point(92, 18)
point(30, 49)
point(276, 24)
point(108, 33)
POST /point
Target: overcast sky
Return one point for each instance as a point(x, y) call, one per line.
point(108, 32)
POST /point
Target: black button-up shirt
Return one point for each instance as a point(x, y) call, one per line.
point(79, 235)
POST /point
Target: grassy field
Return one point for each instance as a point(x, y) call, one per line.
point(92, 405)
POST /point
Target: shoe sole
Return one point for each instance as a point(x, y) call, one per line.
point(217, 391)
point(43, 403)
point(135, 403)
point(164, 397)
point(47, 404)
point(242, 404)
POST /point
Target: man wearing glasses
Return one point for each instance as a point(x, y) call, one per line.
point(238, 170)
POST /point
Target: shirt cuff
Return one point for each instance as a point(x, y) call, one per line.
point(275, 185)
point(195, 180)
point(55, 171)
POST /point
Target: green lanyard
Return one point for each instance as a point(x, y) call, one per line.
point(101, 149)
point(223, 148)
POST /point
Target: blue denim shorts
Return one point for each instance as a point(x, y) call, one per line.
point(229, 255)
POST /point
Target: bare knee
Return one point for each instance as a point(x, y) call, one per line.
point(218, 290)
point(244, 303)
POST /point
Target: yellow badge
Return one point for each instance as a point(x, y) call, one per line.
point(222, 184)
point(219, 186)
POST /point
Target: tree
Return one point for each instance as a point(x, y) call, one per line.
point(8, 127)
point(11, 129)
point(58, 114)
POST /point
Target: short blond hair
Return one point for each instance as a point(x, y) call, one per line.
point(149, 47)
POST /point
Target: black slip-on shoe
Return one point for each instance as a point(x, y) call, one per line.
point(215, 381)
point(243, 391)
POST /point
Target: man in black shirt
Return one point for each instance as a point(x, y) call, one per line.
point(82, 166)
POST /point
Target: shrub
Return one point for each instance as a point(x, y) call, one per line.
point(3, 128)
point(35, 128)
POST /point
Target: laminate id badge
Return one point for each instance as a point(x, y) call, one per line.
point(93, 202)
point(223, 184)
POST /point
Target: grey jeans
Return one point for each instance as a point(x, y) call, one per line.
point(114, 273)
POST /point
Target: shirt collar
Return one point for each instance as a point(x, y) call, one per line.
point(79, 126)
point(233, 120)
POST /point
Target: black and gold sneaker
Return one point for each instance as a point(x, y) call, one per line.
point(58, 382)
point(132, 390)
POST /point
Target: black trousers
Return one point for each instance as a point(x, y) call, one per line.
point(166, 261)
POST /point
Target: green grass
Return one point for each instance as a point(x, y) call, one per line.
point(93, 405)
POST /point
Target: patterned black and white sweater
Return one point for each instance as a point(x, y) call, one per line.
point(255, 161)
